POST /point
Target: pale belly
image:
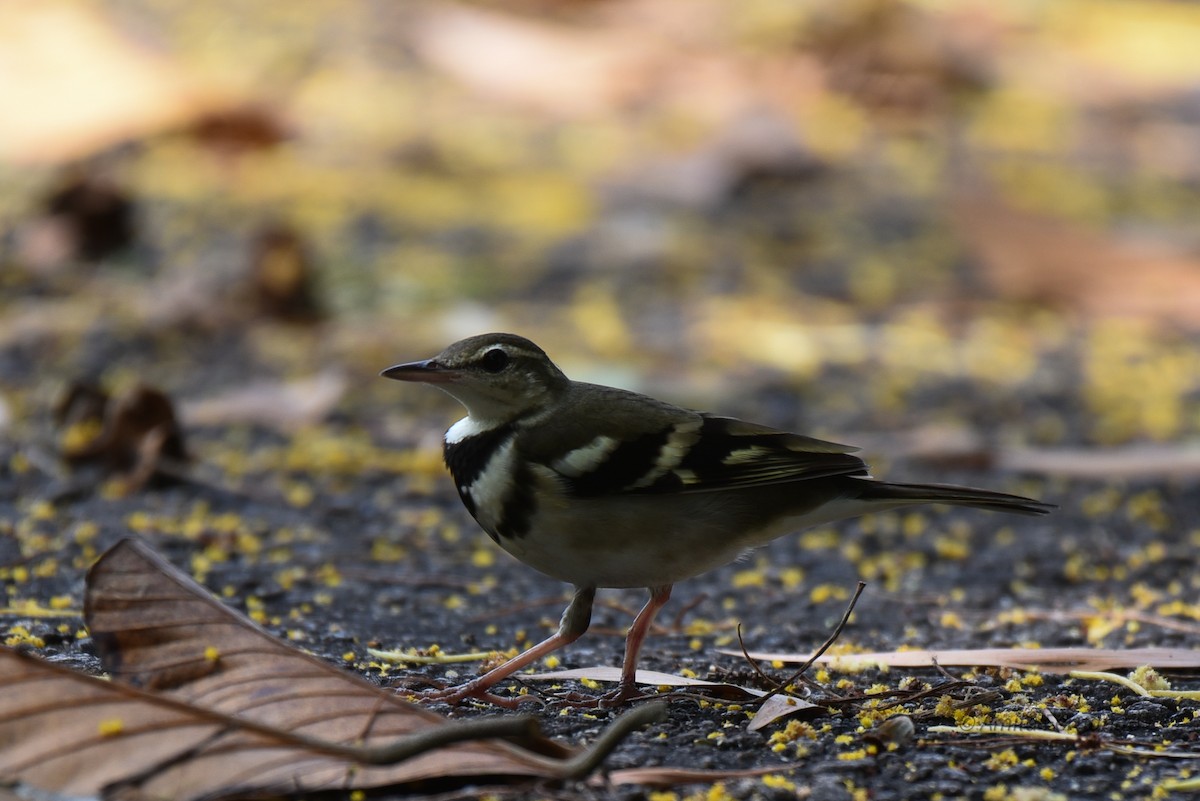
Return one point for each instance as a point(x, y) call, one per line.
point(641, 541)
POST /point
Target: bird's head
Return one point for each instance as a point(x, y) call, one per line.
point(498, 377)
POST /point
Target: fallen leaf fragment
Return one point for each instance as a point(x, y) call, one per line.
point(77, 735)
point(651, 677)
point(166, 640)
point(1047, 660)
point(155, 628)
point(777, 707)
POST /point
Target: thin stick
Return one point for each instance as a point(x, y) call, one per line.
point(833, 637)
point(770, 682)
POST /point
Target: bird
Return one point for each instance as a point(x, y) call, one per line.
point(602, 487)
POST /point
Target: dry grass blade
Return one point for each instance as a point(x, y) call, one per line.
point(155, 629)
point(1047, 660)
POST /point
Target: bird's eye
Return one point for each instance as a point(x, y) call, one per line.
point(494, 360)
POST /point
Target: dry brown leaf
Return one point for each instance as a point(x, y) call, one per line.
point(1041, 259)
point(154, 628)
point(1047, 660)
point(77, 735)
point(138, 437)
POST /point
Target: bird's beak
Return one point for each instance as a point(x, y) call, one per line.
point(428, 371)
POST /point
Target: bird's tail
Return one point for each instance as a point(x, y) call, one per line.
point(903, 494)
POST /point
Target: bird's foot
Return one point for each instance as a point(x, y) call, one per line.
point(623, 695)
point(469, 691)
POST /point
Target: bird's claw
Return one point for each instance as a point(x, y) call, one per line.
point(463, 692)
point(624, 694)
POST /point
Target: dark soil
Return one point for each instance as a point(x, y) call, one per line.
point(339, 544)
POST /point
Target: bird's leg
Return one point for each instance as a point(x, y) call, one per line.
point(633, 645)
point(574, 622)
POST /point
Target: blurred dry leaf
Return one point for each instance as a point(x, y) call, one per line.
point(961, 447)
point(753, 145)
point(548, 67)
point(281, 271)
point(86, 216)
point(1047, 660)
point(1138, 461)
point(74, 85)
point(239, 128)
point(612, 57)
point(285, 405)
point(1042, 260)
point(136, 436)
point(903, 61)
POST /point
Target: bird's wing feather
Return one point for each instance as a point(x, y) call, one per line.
point(621, 442)
point(733, 453)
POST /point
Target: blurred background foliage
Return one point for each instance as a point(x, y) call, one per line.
point(900, 213)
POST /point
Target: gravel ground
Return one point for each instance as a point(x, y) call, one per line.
point(832, 275)
point(349, 536)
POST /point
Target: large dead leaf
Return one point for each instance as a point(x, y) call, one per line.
point(77, 735)
point(1047, 660)
point(156, 630)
